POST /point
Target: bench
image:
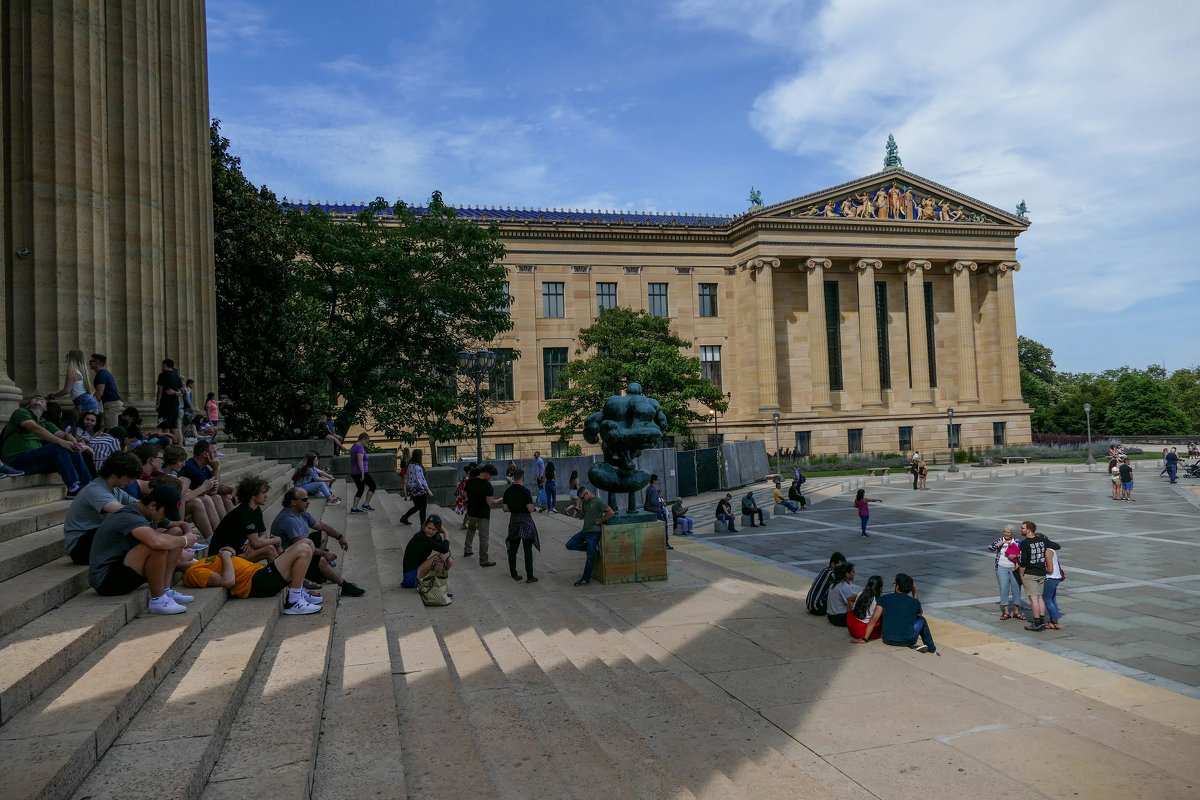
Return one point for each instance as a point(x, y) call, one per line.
point(766, 515)
point(1014, 459)
point(879, 471)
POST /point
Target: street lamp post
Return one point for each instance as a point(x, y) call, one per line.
point(778, 458)
point(951, 437)
point(1087, 409)
point(477, 366)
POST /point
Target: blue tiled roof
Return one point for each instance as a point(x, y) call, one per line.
point(585, 216)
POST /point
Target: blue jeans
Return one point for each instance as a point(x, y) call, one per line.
point(1009, 588)
point(586, 542)
point(318, 488)
point(68, 464)
point(790, 506)
point(85, 403)
point(1050, 597)
point(921, 630)
point(727, 518)
point(552, 495)
point(864, 519)
point(1172, 471)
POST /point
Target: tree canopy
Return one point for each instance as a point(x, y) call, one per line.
point(360, 318)
point(625, 346)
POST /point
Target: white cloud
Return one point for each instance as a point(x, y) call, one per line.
point(242, 25)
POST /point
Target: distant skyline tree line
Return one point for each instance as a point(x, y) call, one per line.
point(1125, 401)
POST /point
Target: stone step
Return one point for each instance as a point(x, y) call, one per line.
point(27, 596)
point(19, 523)
point(359, 720)
point(440, 757)
point(59, 737)
point(169, 747)
point(28, 481)
point(31, 551)
point(32, 497)
point(36, 655)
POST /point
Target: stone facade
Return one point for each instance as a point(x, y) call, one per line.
point(106, 206)
point(800, 289)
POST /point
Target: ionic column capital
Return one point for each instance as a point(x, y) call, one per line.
point(916, 264)
point(959, 266)
point(1005, 266)
point(761, 262)
point(868, 264)
point(814, 264)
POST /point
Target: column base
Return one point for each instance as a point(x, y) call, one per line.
point(10, 397)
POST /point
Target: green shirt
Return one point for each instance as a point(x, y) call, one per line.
point(20, 440)
point(593, 510)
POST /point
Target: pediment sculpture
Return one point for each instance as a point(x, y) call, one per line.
point(894, 200)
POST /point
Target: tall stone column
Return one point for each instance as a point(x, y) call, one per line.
point(964, 322)
point(868, 333)
point(764, 301)
point(918, 344)
point(818, 342)
point(1010, 369)
point(10, 393)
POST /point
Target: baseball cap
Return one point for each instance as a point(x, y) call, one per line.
point(167, 498)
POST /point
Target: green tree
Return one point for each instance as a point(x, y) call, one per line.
point(1037, 359)
point(1141, 405)
point(261, 317)
point(398, 299)
point(621, 347)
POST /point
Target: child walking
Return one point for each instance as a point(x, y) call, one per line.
point(864, 511)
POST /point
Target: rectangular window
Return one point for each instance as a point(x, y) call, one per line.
point(833, 337)
point(708, 299)
point(504, 307)
point(658, 300)
point(552, 300)
point(804, 443)
point(504, 452)
point(553, 360)
point(930, 342)
point(606, 296)
point(881, 331)
point(447, 454)
point(501, 379)
point(952, 434)
point(558, 449)
point(854, 440)
point(710, 363)
point(999, 433)
point(906, 439)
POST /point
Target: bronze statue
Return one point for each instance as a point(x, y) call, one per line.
point(627, 425)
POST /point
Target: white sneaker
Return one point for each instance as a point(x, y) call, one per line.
point(191, 440)
point(311, 599)
point(182, 599)
point(300, 607)
point(164, 605)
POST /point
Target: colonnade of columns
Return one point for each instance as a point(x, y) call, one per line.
point(997, 311)
point(106, 210)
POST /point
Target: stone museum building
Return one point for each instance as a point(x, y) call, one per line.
point(858, 314)
point(106, 198)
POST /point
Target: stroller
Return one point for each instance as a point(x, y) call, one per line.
point(1191, 470)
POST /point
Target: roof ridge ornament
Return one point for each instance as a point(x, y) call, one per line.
point(892, 159)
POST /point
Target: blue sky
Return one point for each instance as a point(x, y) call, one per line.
point(1088, 111)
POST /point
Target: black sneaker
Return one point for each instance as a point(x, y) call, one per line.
point(531, 579)
point(350, 590)
point(920, 647)
point(468, 553)
point(1036, 628)
point(582, 582)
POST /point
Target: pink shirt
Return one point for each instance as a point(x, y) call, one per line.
point(211, 405)
point(864, 508)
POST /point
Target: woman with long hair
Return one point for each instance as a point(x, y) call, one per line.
point(522, 530)
point(418, 489)
point(864, 511)
point(460, 495)
point(85, 428)
point(314, 480)
point(843, 594)
point(78, 384)
point(866, 610)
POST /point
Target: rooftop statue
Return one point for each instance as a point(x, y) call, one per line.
point(755, 198)
point(892, 161)
point(1021, 209)
point(627, 425)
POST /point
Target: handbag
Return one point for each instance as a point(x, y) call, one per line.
point(434, 590)
point(541, 498)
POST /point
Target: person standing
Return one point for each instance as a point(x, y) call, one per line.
point(105, 391)
point(480, 500)
point(1054, 576)
point(1126, 474)
point(1008, 552)
point(77, 384)
point(861, 502)
point(360, 466)
point(595, 513)
point(915, 468)
point(1172, 462)
point(539, 470)
point(417, 488)
point(169, 390)
point(522, 531)
point(551, 487)
point(1033, 573)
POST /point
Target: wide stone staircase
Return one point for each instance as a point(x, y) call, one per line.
point(516, 690)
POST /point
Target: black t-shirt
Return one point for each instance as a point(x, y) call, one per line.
point(551, 472)
point(236, 526)
point(419, 548)
point(478, 491)
point(169, 379)
point(518, 499)
point(1126, 473)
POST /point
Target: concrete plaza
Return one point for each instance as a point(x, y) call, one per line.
point(1129, 601)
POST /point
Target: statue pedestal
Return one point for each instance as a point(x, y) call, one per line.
point(632, 552)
